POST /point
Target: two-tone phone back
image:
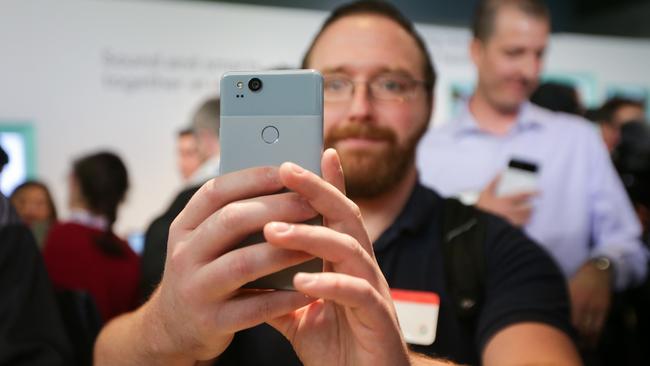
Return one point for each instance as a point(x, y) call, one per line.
point(268, 118)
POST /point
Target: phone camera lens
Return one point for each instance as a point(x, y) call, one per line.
point(255, 84)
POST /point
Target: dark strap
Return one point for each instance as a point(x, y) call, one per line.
point(463, 230)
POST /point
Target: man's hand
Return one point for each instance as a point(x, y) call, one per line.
point(590, 291)
point(199, 304)
point(354, 321)
point(515, 208)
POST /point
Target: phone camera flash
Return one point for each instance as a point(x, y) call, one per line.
point(240, 85)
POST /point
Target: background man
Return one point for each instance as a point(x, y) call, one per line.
point(581, 213)
point(187, 153)
point(205, 129)
point(205, 125)
point(615, 113)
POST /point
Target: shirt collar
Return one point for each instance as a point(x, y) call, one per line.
point(527, 118)
point(417, 212)
point(206, 171)
point(85, 218)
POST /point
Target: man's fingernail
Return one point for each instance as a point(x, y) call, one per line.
point(305, 279)
point(297, 168)
point(280, 227)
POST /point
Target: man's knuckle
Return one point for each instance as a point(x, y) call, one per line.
point(355, 211)
point(267, 175)
point(240, 266)
point(355, 247)
point(176, 258)
point(212, 189)
point(369, 292)
point(264, 311)
point(174, 226)
point(337, 284)
point(230, 216)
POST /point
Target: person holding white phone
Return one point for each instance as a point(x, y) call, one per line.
point(579, 211)
point(378, 97)
point(188, 318)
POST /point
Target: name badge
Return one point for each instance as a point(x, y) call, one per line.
point(417, 312)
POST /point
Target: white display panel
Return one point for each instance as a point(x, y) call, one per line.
point(15, 172)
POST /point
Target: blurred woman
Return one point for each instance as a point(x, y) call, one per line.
point(35, 207)
point(84, 253)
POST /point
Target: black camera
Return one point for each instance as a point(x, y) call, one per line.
point(255, 84)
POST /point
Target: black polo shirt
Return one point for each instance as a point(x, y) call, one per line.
point(522, 284)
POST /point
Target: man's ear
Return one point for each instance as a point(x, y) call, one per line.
point(433, 107)
point(476, 50)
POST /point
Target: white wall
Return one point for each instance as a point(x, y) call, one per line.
point(126, 75)
point(64, 65)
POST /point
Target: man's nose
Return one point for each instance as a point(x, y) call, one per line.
point(360, 103)
point(531, 68)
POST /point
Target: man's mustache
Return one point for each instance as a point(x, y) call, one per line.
point(360, 130)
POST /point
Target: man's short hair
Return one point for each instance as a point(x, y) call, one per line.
point(613, 104)
point(185, 132)
point(558, 97)
point(487, 10)
point(384, 9)
point(207, 117)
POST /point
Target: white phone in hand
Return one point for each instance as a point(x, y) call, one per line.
point(520, 176)
point(268, 118)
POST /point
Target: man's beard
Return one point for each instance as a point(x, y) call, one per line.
point(370, 173)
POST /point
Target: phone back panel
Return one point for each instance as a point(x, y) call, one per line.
point(291, 102)
point(281, 122)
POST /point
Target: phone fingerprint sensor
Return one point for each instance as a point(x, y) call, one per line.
point(270, 134)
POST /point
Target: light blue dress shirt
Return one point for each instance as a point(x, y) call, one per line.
point(582, 210)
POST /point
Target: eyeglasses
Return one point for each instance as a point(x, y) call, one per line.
point(388, 87)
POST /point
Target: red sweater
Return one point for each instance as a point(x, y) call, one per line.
point(75, 262)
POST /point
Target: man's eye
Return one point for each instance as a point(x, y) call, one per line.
point(513, 52)
point(335, 84)
point(393, 85)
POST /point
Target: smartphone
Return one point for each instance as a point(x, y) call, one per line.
point(268, 118)
point(520, 176)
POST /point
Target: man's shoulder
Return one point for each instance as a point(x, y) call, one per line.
point(500, 238)
point(159, 227)
point(509, 251)
point(562, 123)
point(522, 282)
point(501, 235)
point(180, 200)
point(443, 131)
point(426, 191)
point(435, 145)
point(458, 217)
